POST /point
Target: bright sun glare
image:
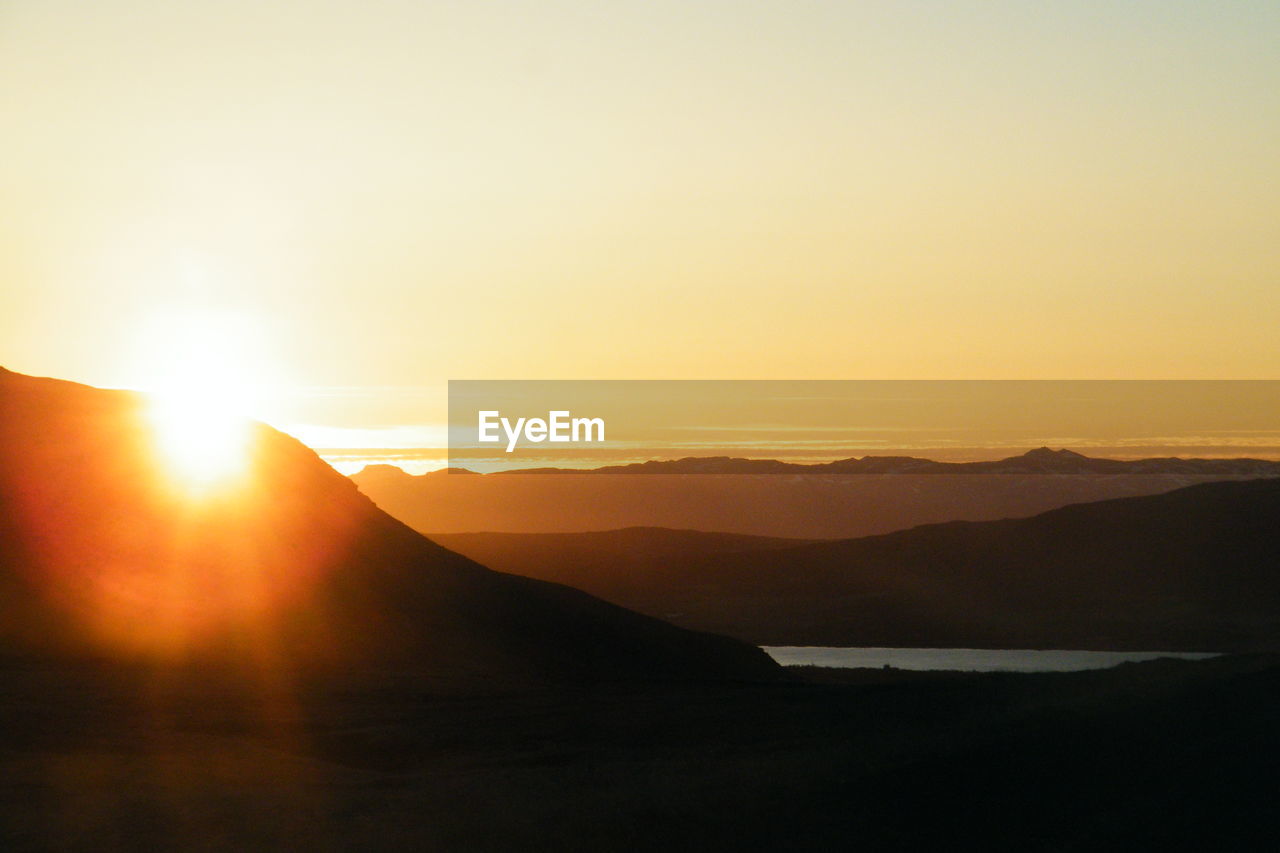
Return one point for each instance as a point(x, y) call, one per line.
point(204, 384)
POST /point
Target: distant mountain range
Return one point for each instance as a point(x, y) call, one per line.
point(847, 498)
point(1196, 569)
point(290, 572)
point(1042, 460)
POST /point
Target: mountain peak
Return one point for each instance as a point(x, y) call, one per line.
point(1049, 453)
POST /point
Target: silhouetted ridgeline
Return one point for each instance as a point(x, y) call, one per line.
point(289, 568)
point(853, 497)
point(1039, 461)
point(1196, 569)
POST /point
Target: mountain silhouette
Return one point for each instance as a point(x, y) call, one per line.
point(286, 567)
point(765, 497)
point(1042, 460)
point(1195, 569)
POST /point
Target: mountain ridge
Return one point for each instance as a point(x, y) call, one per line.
point(1041, 460)
point(877, 497)
point(1194, 569)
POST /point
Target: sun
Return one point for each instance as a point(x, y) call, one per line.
point(199, 442)
point(204, 384)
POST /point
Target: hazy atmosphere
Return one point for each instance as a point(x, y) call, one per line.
point(339, 196)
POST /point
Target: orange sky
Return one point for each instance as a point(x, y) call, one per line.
point(380, 196)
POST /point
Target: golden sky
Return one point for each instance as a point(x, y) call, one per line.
point(379, 196)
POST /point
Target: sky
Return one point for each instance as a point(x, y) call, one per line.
point(355, 202)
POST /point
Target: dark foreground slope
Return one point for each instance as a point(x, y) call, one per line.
point(1193, 569)
point(284, 568)
point(1167, 755)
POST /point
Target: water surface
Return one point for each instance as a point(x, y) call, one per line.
point(970, 660)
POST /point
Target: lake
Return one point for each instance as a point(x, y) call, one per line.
point(970, 660)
